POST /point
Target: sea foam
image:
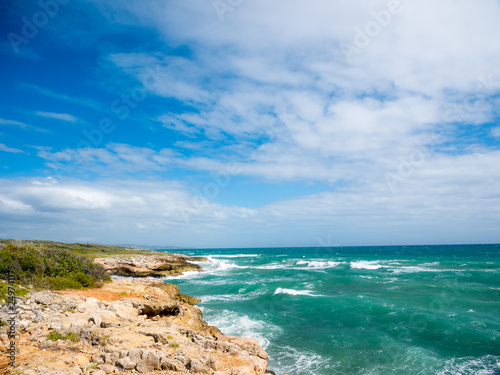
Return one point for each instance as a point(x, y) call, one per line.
point(294, 292)
point(366, 265)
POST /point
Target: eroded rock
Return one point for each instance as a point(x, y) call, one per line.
point(119, 332)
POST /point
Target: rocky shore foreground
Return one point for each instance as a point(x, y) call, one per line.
point(128, 326)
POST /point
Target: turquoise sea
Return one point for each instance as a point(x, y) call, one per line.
point(358, 310)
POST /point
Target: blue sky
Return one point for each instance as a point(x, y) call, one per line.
point(250, 123)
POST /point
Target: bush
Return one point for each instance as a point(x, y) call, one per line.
point(62, 282)
point(55, 335)
point(54, 268)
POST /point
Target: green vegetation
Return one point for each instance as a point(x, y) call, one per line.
point(174, 345)
point(55, 335)
point(170, 337)
point(103, 339)
point(18, 291)
point(87, 250)
point(48, 268)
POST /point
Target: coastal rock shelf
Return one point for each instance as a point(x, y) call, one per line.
point(149, 265)
point(129, 326)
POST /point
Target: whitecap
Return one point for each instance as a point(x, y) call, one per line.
point(291, 359)
point(413, 269)
point(222, 265)
point(234, 255)
point(317, 264)
point(271, 266)
point(234, 324)
point(366, 265)
point(294, 292)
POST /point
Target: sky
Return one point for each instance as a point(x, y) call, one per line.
point(262, 123)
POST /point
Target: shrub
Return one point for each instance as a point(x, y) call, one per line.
point(54, 268)
point(56, 335)
point(62, 282)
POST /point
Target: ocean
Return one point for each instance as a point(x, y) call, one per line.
point(358, 310)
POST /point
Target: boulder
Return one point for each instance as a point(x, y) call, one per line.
point(126, 363)
point(196, 366)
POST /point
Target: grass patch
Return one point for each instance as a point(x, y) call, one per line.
point(18, 291)
point(174, 345)
point(56, 335)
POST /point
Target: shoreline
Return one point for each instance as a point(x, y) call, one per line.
point(137, 324)
point(128, 326)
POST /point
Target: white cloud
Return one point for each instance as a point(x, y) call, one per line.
point(447, 199)
point(87, 102)
point(10, 149)
point(58, 116)
point(12, 122)
point(495, 132)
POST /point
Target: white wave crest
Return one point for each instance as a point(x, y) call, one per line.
point(307, 362)
point(294, 292)
point(318, 264)
point(235, 324)
point(413, 269)
point(366, 265)
point(271, 266)
point(222, 265)
point(234, 255)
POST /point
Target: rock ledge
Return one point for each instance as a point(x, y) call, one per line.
point(129, 326)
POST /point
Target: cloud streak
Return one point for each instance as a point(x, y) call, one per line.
point(58, 116)
point(5, 148)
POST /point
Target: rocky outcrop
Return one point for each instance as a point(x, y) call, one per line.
point(150, 265)
point(128, 327)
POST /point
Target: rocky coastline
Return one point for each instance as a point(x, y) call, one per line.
point(150, 265)
point(136, 325)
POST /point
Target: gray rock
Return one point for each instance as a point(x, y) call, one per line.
point(135, 355)
point(196, 366)
point(108, 369)
point(182, 359)
point(111, 358)
point(126, 363)
point(172, 364)
point(45, 298)
point(150, 361)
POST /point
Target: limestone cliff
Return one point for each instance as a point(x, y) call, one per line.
point(149, 265)
point(129, 326)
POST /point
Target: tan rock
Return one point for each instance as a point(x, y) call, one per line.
point(126, 363)
point(108, 369)
point(131, 334)
point(148, 265)
point(123, 310)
